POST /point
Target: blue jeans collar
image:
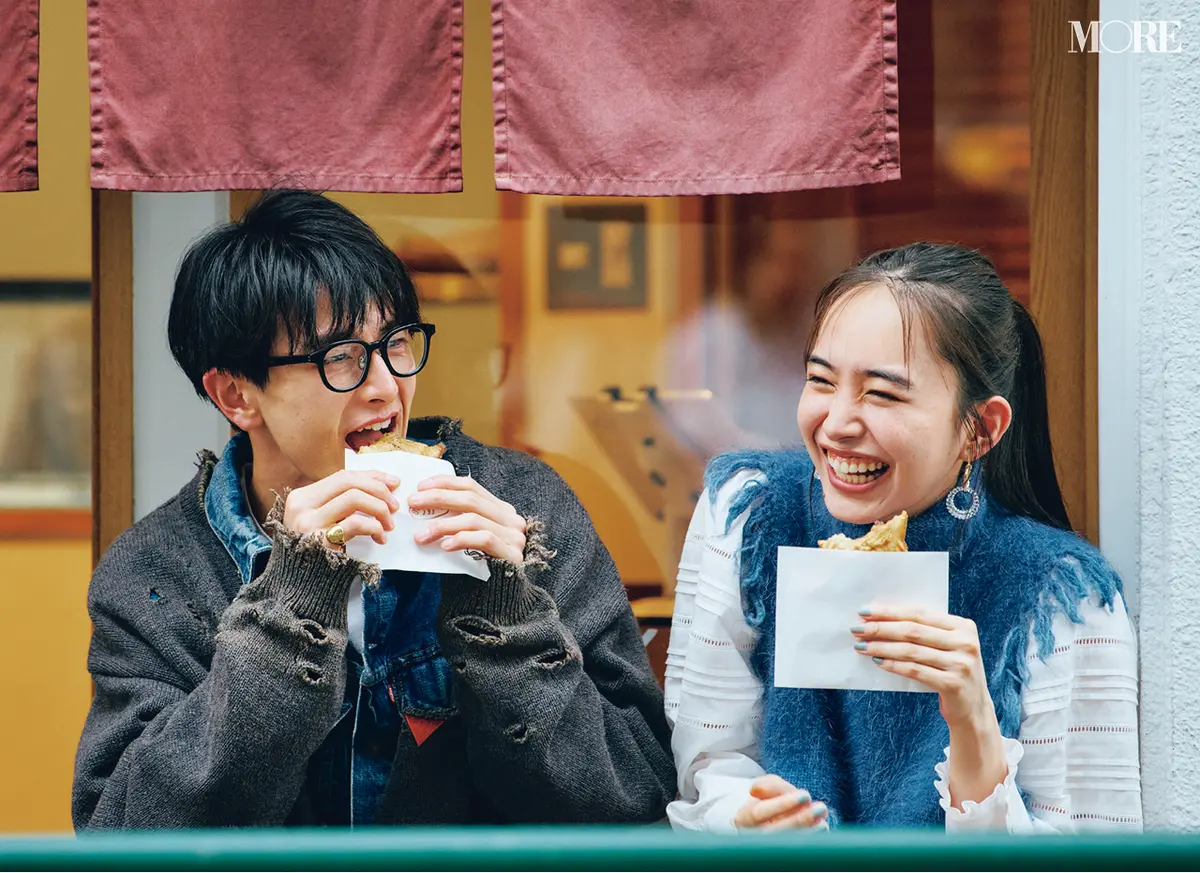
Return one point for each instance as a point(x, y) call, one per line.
point(228, 508)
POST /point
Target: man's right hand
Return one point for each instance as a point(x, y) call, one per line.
point(776, 804)
point(339, 499)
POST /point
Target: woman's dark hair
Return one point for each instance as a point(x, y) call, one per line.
point(242, 283)
point(990, 340)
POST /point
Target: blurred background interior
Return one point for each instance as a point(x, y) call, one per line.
point(623, 341)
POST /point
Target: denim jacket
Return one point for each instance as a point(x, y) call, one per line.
point(401, 676)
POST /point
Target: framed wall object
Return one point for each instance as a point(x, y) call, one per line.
point(596, 255)
point(45, 407)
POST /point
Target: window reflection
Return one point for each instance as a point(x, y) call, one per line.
point(627, 340)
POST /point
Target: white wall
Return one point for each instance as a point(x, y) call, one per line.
point(170, 423)
point(1150, 385)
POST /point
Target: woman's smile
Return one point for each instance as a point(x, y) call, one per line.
point(854, 473)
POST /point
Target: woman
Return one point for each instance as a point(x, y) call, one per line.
point(926, 393)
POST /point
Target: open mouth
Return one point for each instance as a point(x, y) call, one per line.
point(855, 470)
point(370, 433)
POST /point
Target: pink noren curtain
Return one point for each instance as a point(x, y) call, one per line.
point(645, 97)
point(18, 95)
point(348, 95)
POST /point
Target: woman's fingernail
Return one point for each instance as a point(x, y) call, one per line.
point(819, 809)
point(803, 797)
point(392, 480)
point(866, 610)
point(860, 646)
point(858, 629)
point(877, 660)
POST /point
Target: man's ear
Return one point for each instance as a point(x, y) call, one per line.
point(995, 416)
point(231, 396)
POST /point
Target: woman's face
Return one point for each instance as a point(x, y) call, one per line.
point(883, 428)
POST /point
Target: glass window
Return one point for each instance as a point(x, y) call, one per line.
point(626, 340)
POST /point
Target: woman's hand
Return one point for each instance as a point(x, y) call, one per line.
point(942, 652)
point(486, 522)
point(776, 804)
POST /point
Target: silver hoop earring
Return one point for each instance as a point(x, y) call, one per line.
point(953, 505)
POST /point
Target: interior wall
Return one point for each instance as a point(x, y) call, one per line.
point(44, 684)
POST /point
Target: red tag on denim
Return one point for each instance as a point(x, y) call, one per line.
point(422, 728)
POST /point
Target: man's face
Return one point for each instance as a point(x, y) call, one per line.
point(306, 428)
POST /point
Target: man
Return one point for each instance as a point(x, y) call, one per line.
point(249, 672)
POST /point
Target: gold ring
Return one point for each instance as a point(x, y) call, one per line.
point(336, 535)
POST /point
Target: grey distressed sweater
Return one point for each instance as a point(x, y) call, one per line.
point(211, 696)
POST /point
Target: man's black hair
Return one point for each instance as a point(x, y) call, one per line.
point(242, 283)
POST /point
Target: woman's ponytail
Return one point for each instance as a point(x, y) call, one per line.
point(1019, 471)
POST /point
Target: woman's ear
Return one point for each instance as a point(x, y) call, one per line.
point(995, 416)
point(231, 397)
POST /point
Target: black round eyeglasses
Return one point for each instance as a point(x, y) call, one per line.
point(344, 365)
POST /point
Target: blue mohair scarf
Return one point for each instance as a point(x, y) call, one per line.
point(870, 755)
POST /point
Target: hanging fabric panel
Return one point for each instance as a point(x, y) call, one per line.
point(18, 95)
point(325, 94)
point(633, 97)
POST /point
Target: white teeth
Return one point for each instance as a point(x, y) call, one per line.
point(379, 426)
point(855, 472)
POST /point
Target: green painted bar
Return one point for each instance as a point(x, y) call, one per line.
point(590, 848)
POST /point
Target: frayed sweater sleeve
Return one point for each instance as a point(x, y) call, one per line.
point(173, 742)
point(563, 714)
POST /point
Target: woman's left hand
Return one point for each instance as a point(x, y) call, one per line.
point(938, 650)
point(485, 521)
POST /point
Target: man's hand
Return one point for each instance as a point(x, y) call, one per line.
point(361, 501)
point(486, 522)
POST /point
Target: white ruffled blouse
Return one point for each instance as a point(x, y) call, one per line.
point(1076, 758)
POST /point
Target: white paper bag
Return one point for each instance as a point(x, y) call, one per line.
point(401, 552)
point(818, 595)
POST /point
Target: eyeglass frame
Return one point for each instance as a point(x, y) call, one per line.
point(318, 357)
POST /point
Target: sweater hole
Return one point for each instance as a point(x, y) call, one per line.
point(154, 595)
point(477, 630)
point(518, 733)
point(551, 660)
point(311, 674)
point(313, 632)
point(196, 614)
